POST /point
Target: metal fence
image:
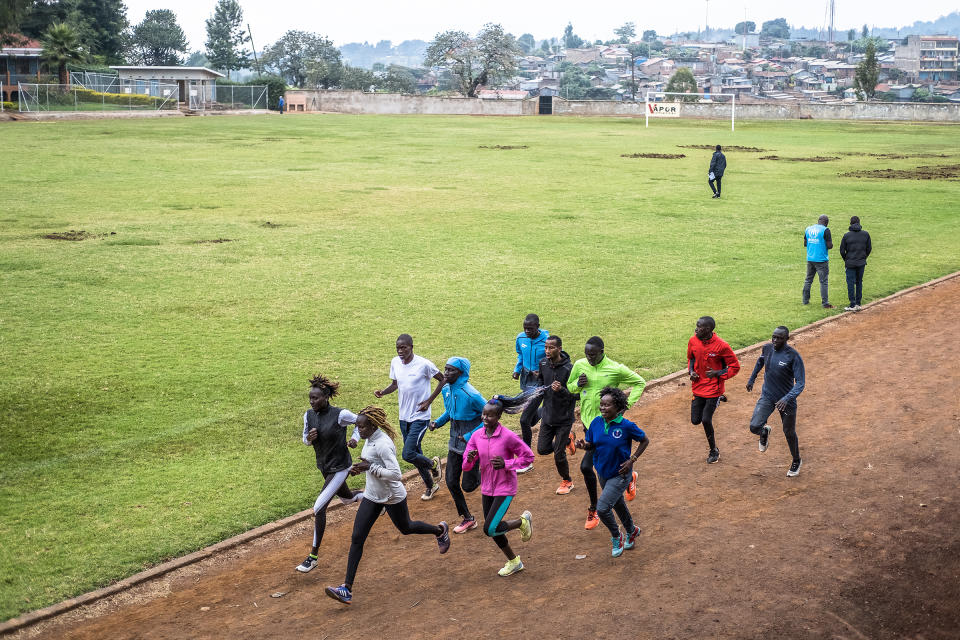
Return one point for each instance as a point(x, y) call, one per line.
point(239, 97)
point(139, 96)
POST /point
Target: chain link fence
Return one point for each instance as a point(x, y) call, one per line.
point(239, 97)
point(131, 96)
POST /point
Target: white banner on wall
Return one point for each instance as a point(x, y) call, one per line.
point(663, 109)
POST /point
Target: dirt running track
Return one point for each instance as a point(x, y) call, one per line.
point(865, 543)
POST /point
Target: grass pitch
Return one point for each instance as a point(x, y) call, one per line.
point(153, 374)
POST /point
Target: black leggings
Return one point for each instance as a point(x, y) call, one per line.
point(789, 420)
point(494, 508)
point(589, 477)
point(528, 419)
point(470, 481)
point(701, 411)
point(553, 439)
point(367, 514)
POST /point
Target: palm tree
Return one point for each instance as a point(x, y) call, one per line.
point(61, 46)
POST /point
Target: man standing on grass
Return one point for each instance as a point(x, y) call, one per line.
point(783, 381)
point(411, 374)
point(589, 376)
point(530, 346)
point(817, 240)
point(855, 247)
point(718, 164)
point(710, 361)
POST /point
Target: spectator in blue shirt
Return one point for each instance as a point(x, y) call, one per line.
point(817, 240)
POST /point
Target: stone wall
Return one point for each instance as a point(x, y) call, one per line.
point(358, 102)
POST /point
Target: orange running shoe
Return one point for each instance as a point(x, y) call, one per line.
point(565, 487)
point(592, 519)
point(631, 491)
point(572, 444)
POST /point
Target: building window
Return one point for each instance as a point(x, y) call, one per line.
point(23, 66)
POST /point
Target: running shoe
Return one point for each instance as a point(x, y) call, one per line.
point(443, 540)
point(341, 593)
point(617, 545)
point(437, 470)
point(631, 491)
point(512, 567)
point(432, 491)
point(466, 525)
point(526, 526)
point(525, 469)
point(828, 306)
point(852, 307)
point(794, 469)
point(592, 519)
point(572, 444)
point(764, 436)
point(714, 456)
point(565, 487)
point(632, 538)
point(307, 565)
point(721, 398)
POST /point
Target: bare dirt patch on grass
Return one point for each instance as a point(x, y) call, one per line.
point(504, 147)
point(76, 236)
point(894, 156)
point(809, 159)
point(733, 147)
point(214, 241)
point(661, 156)
point(931, 172)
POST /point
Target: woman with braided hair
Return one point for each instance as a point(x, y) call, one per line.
point(383, 492)
point(325, 427)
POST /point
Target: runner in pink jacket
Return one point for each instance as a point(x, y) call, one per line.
point(499, 452)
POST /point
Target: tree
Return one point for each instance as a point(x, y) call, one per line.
point(197, 59)
point(626, 33)
point(299, 56)
point(639, 50)
point(11, 13)
point(851, 35)
point(100, 26)
point(574, 83)
point(682, 82)
point(649, 36)
point(865, 33)
point(61, 46)
point(776, 29)
point(357, 78)
point(158, 40)
point(225, 37)
point(527, 42)
point(867, 74)
point(397, 79)
point(489, 56)
point(746, 27)
point(570, 39)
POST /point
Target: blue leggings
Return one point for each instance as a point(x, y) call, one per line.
point(494, 509)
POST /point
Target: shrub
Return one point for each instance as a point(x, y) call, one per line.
point(9, 106)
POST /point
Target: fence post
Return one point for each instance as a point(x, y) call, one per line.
point(1, 97)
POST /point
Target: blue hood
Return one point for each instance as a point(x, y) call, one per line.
point(464, 366)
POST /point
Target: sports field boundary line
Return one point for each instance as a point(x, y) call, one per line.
point(34, 617)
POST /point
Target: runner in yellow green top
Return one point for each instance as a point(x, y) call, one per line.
point(588, 376)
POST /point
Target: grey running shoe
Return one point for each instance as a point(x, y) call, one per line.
point(525, 469)
point(764, 437)
point(432, 491)
point(307, 565)
point(714, 456)
point(443, 540)
point(852, 307)
point(794, 469)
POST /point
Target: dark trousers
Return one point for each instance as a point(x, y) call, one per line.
point(494, 509)
point(553, 439)
point(822, 271)
point(701, 412)
point(855, 285)
point(788, 417)
point(531, 413)
point(715, 189)
point(367, 514)
point(589, 477)
point(412, 433)
point(470, 481)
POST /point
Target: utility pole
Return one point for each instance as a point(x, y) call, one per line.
point(706, 19)
point(832, 11)
point(254, 47)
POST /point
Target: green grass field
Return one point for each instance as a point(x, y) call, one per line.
point(152, 381)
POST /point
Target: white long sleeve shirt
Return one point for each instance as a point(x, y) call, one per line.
point(383, 477)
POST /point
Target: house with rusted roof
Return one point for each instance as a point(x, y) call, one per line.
point(20, 62)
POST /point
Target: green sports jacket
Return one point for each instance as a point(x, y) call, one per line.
point(606, 374)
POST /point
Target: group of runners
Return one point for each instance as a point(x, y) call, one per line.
point(484, 454)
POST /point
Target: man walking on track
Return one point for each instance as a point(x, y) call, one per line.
point(530, 347)
point(855, 248)
point(783, 381)
point(817, 240)
point(589, 376)
point(710, 361)
point(718, 164)
point(411, 374)
point(557, 413)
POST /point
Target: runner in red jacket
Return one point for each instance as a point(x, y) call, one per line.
point(710, 361)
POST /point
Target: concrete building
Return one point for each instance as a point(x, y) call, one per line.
point(197, 84)
point(929, 59)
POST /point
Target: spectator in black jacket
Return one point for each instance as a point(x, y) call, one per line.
point(855, 247)
point(557, 411)
point(718, 163)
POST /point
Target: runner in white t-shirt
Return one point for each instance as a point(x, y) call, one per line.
point(411, 374)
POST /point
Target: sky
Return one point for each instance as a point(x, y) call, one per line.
point(374, 20)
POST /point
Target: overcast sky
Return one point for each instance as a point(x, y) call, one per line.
point(347, 21)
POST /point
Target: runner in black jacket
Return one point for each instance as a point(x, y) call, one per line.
point(557, 412)
point(855, 247)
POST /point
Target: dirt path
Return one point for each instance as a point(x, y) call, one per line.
point(865, 543)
